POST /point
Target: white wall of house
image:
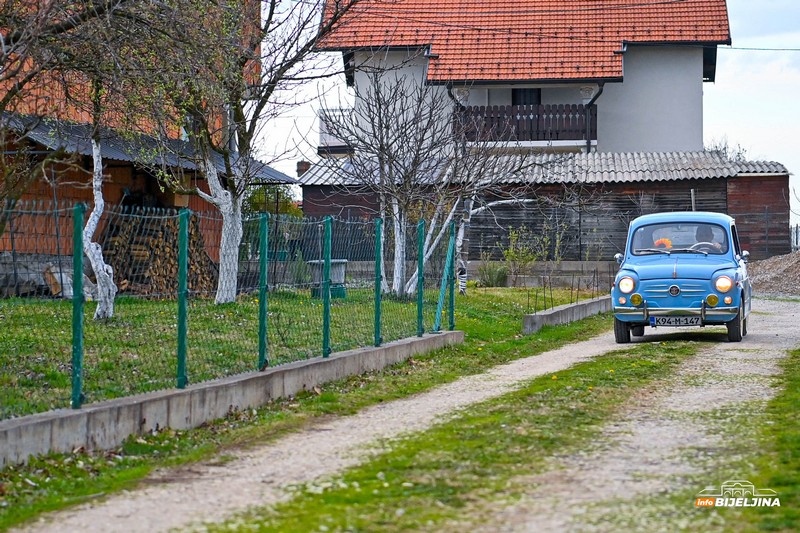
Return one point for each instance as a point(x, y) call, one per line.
point(501, 95)
point(659, 105)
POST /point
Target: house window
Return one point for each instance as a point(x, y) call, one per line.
point(526, 96)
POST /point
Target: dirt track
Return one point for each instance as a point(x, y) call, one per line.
point(724, 372)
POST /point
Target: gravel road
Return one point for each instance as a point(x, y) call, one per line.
point(208, 492)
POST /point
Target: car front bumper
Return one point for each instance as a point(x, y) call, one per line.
point(707, 314)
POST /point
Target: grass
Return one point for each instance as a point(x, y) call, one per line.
point(452, 472)
point(491, 319)
point(135, 351)
point(778, 456)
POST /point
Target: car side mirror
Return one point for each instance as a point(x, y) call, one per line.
point(618, 258)
point(745, 256)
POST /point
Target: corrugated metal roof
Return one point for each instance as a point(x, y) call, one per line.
point(75, 138)
point(501, 40)
point(594, 168)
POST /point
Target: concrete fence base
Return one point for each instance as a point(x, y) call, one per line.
point(106, 425)
point(564, 314)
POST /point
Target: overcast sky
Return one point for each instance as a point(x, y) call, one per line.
point(754, 102)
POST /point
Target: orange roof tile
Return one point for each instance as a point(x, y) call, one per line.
point(504, 40)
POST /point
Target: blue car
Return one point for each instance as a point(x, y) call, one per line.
point(681, 269)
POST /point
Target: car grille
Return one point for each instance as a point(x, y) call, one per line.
point(659, 293)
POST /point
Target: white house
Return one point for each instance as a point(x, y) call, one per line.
point(617, 84)
point(624, 75)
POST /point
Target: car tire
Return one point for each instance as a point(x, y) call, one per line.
point(637, 330)
point(736, 326)
point(622, 332)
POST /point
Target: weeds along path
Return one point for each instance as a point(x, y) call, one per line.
point(692, 430)
point(208, 492)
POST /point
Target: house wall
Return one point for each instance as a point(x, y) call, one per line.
point(124, 184)
point(764, 230)
point(596, 229)
point(658, 107)
point(319, 201)
point(501, 95)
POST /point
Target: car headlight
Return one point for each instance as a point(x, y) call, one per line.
point(723, 284)
point(626, 285)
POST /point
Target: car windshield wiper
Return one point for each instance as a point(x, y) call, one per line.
point(652, 251)
point(690, 251)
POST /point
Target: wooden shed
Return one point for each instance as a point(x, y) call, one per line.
point(578, 206)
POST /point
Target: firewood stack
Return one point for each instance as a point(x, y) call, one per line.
point(144, 254)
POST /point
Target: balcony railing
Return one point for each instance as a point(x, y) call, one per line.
point(525, 123)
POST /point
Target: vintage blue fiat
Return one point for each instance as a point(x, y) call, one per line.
point(681, 269)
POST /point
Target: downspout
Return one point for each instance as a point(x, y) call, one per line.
point(461, 107)
point(588, 111)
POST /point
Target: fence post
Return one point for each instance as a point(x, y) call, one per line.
point(183, 255)
point(420, 275)
point(451, 312)
point(263, 258)
point(326, 290)
point(378, 279)
point(77, 305)
point(448, 264)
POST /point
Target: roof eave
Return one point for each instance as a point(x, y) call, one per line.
point(527, 81)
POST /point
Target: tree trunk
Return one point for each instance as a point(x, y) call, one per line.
point(104, 274)
point(462, 238)
point(229, 253)
point(429, 247)
point(399, 274)
point(230, 207)
point(384, 280)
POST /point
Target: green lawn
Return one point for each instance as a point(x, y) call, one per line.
point(491, 319)
point(135, 351)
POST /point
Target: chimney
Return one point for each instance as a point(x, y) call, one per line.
point(302, 167)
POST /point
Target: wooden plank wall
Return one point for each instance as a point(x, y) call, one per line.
point(594, 224)
point(760, 205)
point(594, 220)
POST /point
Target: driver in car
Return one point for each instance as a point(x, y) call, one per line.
point(705, 234)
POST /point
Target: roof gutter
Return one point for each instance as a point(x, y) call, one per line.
point(588, 111)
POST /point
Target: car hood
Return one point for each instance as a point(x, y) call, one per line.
point(679, 266)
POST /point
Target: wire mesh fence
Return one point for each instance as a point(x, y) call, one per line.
point(304, 288)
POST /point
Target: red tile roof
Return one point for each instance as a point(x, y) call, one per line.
point(527, 40)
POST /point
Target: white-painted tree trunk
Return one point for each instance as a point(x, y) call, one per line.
point(229, 253)
point(462, 253)
point(399, 272)
point(230, 208)
point(104, 274)
point(431, 243)
point(384, 280)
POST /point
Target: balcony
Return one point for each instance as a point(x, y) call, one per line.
point(529, 123)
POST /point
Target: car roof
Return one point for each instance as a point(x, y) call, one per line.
point(684, 216)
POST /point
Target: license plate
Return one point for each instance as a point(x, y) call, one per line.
point(674, 320)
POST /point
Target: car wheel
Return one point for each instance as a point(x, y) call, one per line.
point(637, 331)
point(736, 326)
point(744, 327)
point(622, 333)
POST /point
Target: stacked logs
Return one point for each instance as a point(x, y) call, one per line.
point(144, 254)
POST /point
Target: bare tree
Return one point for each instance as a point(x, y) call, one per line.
point(30, 35)
point(101, 76)
point(421, 158)
point(231, 76)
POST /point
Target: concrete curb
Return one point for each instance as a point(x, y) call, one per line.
point(564, 314)
point(106, 425)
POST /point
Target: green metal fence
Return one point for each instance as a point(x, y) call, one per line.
point(306, 288)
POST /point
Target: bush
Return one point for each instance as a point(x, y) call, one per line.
point(491, 273)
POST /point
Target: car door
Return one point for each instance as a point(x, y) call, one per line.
point(741, 258)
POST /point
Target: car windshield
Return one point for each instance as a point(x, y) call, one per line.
point(679, 237)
